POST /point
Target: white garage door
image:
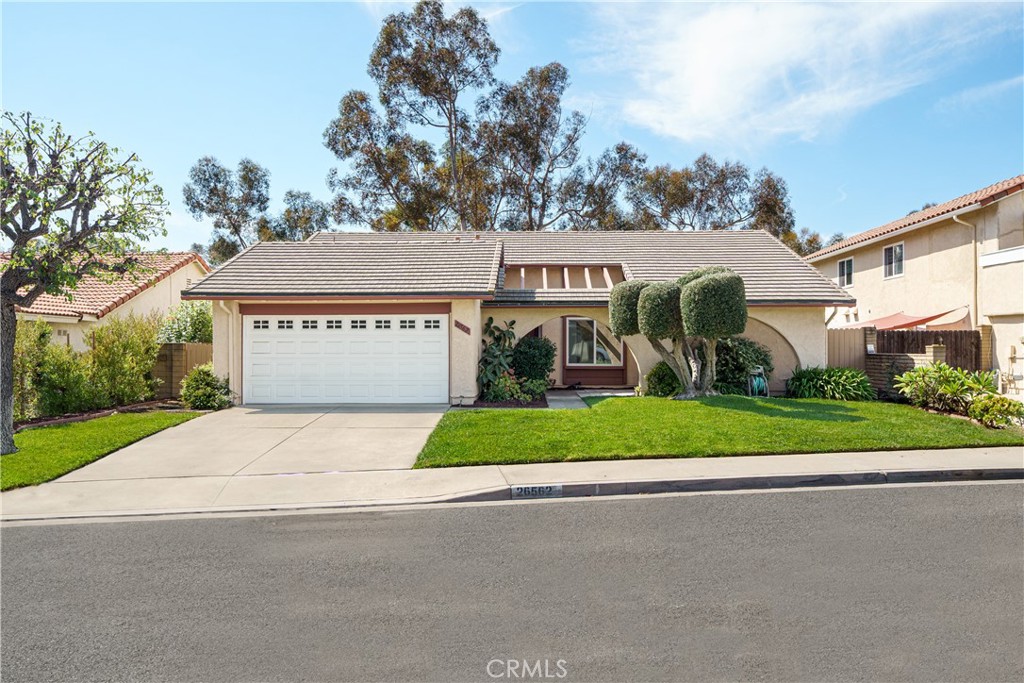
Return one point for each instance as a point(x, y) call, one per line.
point(345, 359)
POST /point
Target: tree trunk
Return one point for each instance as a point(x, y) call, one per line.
point(708, 372)
point(8, 330)
point(676, 360)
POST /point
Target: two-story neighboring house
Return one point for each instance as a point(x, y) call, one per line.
point(956, 265)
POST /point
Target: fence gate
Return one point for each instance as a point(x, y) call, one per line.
point(846, 348)
point(963, 347)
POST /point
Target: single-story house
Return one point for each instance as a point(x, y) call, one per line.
point(154, 289)
point(398, 317)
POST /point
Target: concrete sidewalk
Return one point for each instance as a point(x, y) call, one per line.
point(173, 495)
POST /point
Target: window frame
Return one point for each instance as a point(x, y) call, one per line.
point(848, 275)
point(885, 264)
point(596, 323)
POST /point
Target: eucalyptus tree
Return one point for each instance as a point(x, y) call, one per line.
point(71, 206)
point(235, 200)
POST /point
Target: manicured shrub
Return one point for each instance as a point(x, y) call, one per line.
point(191, 322)
point(993, 410)
point(623, 305)
point(506, 389)
point(64, 384)
point(662, 381)
point(30, 342)
point(837, 384)
point(533, 358)
point(714, 305)
point(736, 358)
point(496, 358)
point(203, 390)
point(658, 314)
point(122, 354)
point(941, 387)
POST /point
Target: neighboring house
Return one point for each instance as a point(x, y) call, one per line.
point(957, 265)
point(156, 289)
point(386, 317)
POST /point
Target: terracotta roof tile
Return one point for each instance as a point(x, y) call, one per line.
point(983, 196)
point(97, 298)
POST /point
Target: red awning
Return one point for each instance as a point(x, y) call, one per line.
point(898, 321)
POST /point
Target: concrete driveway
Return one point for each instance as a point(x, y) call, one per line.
point(244, 456)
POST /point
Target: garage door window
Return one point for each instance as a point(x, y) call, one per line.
point(284, 324)
point(431, 324)
point(382, 324)
point(407, 324)
point(261, 324)
point(335, 324)
point(358, 324)
point(309, 324)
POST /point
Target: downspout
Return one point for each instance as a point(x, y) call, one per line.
point(231, 336)
point(974, 268)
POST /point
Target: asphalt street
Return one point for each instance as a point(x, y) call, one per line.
point(883, 583)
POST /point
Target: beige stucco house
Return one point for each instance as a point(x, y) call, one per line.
point(956, 265)
point(370, 317)
point(156, 288)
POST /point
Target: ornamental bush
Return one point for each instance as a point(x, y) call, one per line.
point(122, 354)
point(496, 357)
point(941, 387)
point(64, 384)
point(994, 410)
point(623, 303)
point(30, 342)
point(714, 305)
point(736, 358)
point(836, 384)
point(533, 358)
point(203, 390)
point(662, 381)
point(658, 315)
point(190, 322)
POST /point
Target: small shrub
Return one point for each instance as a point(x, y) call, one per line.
point(191, 322)
point(534, 388)
point(506, 389)
point(123, 352)
point(993, 410)
point(30, 342)
point(836, 384)
point(735, 359)
point(533, 358)
point(661, 381)
point(203, 390)
point(63, 383)
point(941, 387)
point(496, 359)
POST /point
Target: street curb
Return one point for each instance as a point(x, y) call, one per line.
point(770, 481)
point(573, 490)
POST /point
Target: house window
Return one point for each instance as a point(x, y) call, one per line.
point(431, 324)
point(261, 324)
point(309, 324)
point(846, 272)
point(284, 324)
point(893, 259)
point(588, 342)
point(407, 324)
point(358, 325)
point(382, 324)
point(335, 324)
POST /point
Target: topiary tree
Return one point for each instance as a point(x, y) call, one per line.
point(683, 320)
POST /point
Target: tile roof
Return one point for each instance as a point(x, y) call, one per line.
point(97, 298)
point(771, 271)
point(983, 197)
point(356, 268)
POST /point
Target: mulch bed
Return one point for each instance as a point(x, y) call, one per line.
point(143, 407)
point(539, 403)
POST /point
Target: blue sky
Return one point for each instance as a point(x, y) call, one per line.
point(868, 110)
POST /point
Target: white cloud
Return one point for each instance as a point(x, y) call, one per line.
point(982, 94)
point(743, 73)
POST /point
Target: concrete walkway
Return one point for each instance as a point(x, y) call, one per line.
point(69, 497)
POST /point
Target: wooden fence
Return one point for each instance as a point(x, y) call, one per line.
point(846, 348)
point(174, 362)
point(963, 347)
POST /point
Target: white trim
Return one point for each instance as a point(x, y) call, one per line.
point(622, 347)
point(903, 260)
point(49, 318)
point(997, 258)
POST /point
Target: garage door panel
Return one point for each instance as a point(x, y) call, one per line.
point(308, 359)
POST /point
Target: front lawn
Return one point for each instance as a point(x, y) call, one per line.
point(46, 453)
point(616, 428)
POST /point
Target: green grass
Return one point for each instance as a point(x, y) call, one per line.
point(617, 428)
point(48, 452)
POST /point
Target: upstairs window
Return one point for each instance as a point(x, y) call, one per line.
point(893, 259)
point(846, 272)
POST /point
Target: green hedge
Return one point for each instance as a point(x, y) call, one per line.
point(714, 305)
